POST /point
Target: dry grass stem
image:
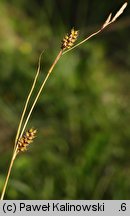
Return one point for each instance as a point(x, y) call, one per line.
point(20, 144)
point(23, 139)
point(27, 100)
point(40, 90)
point(8, 174)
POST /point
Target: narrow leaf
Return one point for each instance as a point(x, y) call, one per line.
point(107, 21)
point(120, 11)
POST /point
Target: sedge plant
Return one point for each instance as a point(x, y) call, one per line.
point(25, 137)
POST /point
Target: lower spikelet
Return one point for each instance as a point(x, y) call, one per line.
point(69, 40)
point(25, 140)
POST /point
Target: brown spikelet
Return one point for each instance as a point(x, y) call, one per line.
point(25, 140)
point(69, 40)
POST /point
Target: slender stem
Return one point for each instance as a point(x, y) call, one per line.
point(8, 174)
point(27, 101)
point(62, 52)
point(40, 90)
point(33, 105)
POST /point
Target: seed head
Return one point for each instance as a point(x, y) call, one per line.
point(69, 40)
point(25, 140)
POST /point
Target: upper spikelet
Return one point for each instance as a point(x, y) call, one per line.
point(69, 40)
point(26, 139)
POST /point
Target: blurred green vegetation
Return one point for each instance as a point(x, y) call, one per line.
point(82, 149)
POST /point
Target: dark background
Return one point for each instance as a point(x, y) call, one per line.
point(82, 149)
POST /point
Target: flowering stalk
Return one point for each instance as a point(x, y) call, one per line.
point(23, 140)
point(108, 22)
